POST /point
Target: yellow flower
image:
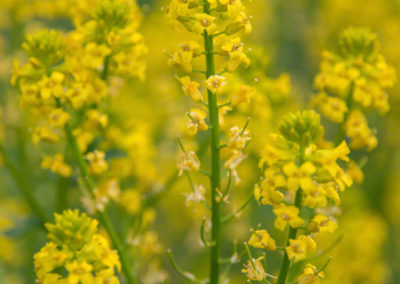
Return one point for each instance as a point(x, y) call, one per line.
point(267, 193)
point(130, 200)
point(97, 164)
point(44, 134)
point(331, 107)
point(58, 118)
point(204, 22)
point(242, 95)
point(184, 56)
point(255, 270)
point(356, 128)
point(261, 239)
point(315, 197)
point(94, 54)
point(79, 272)
point(287, 215)
point(197, 122)
point(51, 86)
point(299, 176)
point(215, 84)
point(321, 223)
point(191, 88)
point(95, 119)
point(56, 165)
point(238, 139)
point(299, 248)
point(310, 275)
point(48, 258)
point(189, 161)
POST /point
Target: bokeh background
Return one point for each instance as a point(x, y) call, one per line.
point(285, 48)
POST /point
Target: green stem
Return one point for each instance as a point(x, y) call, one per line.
point(215, 158)
point(292, 231)
point(340, 134)
point(292, 235)
point(24, 186)
point(103, 216)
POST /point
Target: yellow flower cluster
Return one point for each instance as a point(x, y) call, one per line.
point(297, 173)
point(224, 21)
point(354, 81)
point(64, 81)
point(76, 252)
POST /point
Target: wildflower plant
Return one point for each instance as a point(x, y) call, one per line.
point(303, 170)
point(299, 173)
point(216, 27)
point(64, 87)
point(353, 82)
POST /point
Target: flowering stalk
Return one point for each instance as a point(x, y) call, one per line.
point(215, 158)
point(105, 219)
point(292, 230)
point(216, 24)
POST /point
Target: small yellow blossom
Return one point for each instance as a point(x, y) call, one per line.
point(204, 22)
point(356, 128)
point(184, 56)
point(261, 239)
point(97, 163)
point(310, 275)
point(255, 270)
point(56, 165)
point(51, 86)
point(299, 176)
point(242, 95)
point(287, 215)
point(267, 192)
point(95, 119)
point(197, 122)
point(191, 88)
point(58, 118)
point(94, 54)
point(331, 107)
point(79, 272)
point(215, 84)
point(189, 161)
point(321, 223)
point(299, 248)
point(44, 134)
point(238, 139)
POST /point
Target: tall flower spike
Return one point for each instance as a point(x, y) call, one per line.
point(217, 25)
point(297, 165)
point(354, 80)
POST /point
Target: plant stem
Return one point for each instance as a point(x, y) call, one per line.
point(292, 231)
point(292, 235)
point(215, 158)
point(25, 188)
point(103, 216)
